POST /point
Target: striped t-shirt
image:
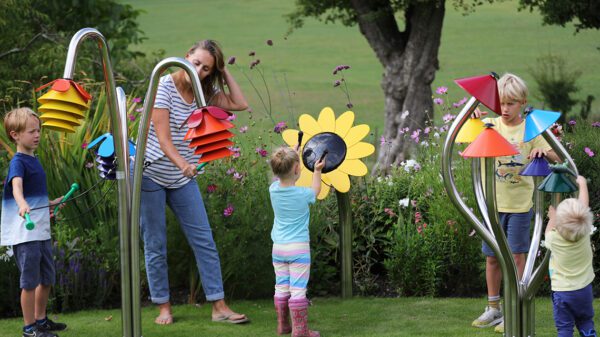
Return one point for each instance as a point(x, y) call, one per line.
point(159, 167)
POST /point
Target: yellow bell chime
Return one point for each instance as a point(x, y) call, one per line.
point(63, 106)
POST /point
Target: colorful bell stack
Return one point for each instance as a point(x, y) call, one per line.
point(105, 155)
point(209, 133)
point(64, 105)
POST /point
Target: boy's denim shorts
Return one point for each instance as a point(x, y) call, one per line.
point(516, 228)
point(35, 263)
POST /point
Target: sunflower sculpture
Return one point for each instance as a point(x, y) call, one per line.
point(343, 144)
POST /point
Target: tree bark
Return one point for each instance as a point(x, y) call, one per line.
point(410, 60)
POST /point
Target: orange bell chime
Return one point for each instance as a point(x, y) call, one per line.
point(209, 133)
point(64, 105)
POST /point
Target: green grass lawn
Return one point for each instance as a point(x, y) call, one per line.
point(360, 317)
point(496, 37)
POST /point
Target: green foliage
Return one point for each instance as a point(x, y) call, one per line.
point(556, 82)
point(35, 36)
point(585, 14)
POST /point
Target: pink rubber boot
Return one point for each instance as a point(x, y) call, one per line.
point(299, 311)
point(283, 315)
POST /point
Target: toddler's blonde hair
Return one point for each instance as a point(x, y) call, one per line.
point(16, 120)
point(283, 160)
point(573, 220)
point(512, 88)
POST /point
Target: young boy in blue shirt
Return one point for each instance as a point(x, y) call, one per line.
point(25, 192)
point(291, 242)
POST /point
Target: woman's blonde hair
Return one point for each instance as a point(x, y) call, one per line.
point(573, 220)
point(215, 79)
point(512, 88)
point(283, 160)
point(16, 120)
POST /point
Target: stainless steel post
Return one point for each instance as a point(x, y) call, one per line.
point(121, 150)
point(142, 138)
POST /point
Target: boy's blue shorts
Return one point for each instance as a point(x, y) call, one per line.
point(35, 263)
point(516, 228)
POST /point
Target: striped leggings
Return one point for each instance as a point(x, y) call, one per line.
point(291, 262)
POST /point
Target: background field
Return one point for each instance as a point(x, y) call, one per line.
point(496, 37)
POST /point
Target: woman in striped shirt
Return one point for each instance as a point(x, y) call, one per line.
point(168, 161)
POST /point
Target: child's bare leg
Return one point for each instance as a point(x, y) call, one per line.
point(28, 306)
point(41, 301)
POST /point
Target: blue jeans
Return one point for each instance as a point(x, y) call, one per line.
point(574, 308)
point(516, 229)
point(187, 205)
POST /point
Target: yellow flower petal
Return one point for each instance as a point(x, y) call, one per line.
point(305, 177)
point(344, 123)
point(324, 191)
point(339, 180)
point(290, 137)
point(327, 120)
point(354, 167)
point(360, 150)
point(309, 126)
point(356, 134)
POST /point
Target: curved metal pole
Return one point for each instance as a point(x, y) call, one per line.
point(122, 173)
point(479, 193)
point(142, 139)
point(537, 231)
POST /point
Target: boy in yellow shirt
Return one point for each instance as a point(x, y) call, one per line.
point(571, 271)
point(514, 193)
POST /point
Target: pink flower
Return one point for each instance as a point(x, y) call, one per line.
point(589, 151)
point(230, 171)
point(382, 140)
point(84, 145)
point(137, 100)
point(238, 176)
point(244, 129)
point(211, 188)
point(415, 135)
point(572, 122)
point(139, 109)
point(420, 229)
point(441, 90)
point(232, 117)
point(460, 103)
point(448, 118)
point(438, 101)
point(596, 124)
point(418, 217)
point(236, 152)
point(262, 152)
point(131, 117)
point(89, 164)
point(280, 127)
point(336, 83)
point(228, 211)
point(389, 211)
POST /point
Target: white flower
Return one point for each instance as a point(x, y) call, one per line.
point(436, 135)
point(593, 230)
point(410, 164)
point(403, 202)
point(404, 115)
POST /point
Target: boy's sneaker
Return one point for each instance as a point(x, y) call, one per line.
point(50, 325)
point(38, 333)
point(490, 317)
point(499, 328)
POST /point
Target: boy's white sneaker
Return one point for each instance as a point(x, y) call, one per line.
point(499, 328)
point(490, 317)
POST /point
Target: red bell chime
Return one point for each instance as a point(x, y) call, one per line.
point(209, 133)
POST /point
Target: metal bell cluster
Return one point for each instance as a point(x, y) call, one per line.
point(105, 155)
point(63, 107)
point(209, 133)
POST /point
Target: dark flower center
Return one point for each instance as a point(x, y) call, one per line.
point(314, 148)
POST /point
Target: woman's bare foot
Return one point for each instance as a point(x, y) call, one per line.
point(164, 316)
point(222, 313)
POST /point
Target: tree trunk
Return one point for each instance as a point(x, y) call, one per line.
point(410, 61)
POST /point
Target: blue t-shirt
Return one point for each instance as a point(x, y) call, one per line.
point(290, 205)
point(12, 226)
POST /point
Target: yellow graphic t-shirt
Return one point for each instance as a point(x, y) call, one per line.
point(514, 193)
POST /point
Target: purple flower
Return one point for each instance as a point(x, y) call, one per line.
point(236, 152)
point(415, 135)
point(244, 129)
point(448, 118)
point(238, 176)
point(349, 105)
point(460, 103)
point(572, 122)
point(227, 212)
point(254, 63)
point(139, 109)
point(280, 127)
point(382, 140)
point(336, 83)
point(252, 53)
point(231, 60)
point(340, 68)
point(84, 145)
point(137, 100)
point(262, 152)
point(270, 42)
point(438, 101)
point(232, 117)
point(230, 171)
point(211, 188)
point(589, 151)
point(132, 117)
point(441, 90)
point(596, 124)
point(89, 164)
